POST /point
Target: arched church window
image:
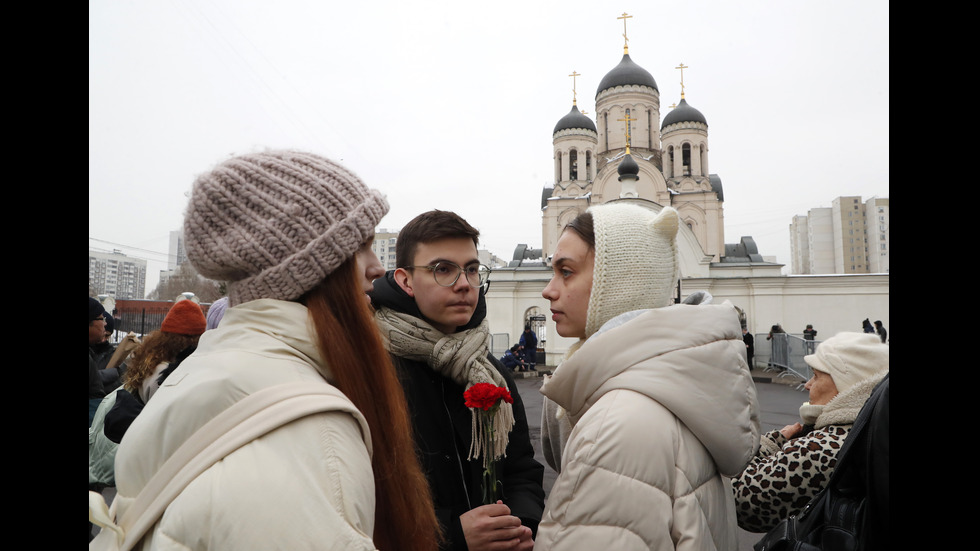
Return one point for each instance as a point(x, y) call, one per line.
point(670, 162)
point(558, 167)
point(650, 129)
point(588, 165)
point(573, 165)
point(605, 130)
point(629, 127)
point(686, 159)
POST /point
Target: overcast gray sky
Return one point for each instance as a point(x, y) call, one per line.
point(441, 105)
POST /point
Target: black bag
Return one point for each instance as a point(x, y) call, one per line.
point(850, 513)
point(829, 522)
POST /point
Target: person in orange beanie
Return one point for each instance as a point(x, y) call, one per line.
point(159, 354)
point(178, 336)
point(185, 318)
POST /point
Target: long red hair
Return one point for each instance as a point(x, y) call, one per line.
point(361, 368)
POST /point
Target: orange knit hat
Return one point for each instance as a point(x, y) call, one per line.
point(185, 318)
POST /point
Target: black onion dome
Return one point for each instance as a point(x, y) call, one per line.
point(625, 74)
point(628, 168)
point(683, 113)
point(574, 119)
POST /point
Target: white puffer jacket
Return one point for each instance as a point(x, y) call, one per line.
point(663, 410)
point(306, 485)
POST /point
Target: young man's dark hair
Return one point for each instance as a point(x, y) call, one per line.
point(428, 227)
point(432, 311)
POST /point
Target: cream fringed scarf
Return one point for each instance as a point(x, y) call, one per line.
point(461, 356)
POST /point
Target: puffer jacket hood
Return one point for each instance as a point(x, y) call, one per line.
point(690, 359)
point(288, 323)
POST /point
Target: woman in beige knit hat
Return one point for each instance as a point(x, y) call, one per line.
point(653, 408)
point(794, 463)
point(290, 233)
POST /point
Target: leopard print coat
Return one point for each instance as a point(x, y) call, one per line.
point(786, 473)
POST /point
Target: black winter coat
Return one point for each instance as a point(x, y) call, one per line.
point(442, 427)
point(111, 378)
point(95, 388)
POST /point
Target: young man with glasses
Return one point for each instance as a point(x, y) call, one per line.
point(432, 313)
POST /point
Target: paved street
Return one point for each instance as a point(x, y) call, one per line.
point(779, 406)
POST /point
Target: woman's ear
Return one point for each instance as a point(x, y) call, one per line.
point(404, 280)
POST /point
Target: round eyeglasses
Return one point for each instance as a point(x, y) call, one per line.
point(447, 273)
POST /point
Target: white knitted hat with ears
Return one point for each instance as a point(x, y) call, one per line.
point(636, 263)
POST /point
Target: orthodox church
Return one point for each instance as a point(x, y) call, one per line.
point(629, 154)
point(626, 152)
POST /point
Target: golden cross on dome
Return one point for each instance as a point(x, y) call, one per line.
point(627, 119)
point(672, 106)
point(624, 17)
point(682, 67)
point(573, 75)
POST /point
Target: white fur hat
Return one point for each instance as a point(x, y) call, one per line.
point(849, 358)
point(636, 263)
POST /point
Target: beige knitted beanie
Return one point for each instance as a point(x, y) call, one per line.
point(275, 224)
point(849, 358)
point(636, 263)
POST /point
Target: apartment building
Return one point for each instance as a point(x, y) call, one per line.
point(849, 237)
point(116, 275)
point(384, 247)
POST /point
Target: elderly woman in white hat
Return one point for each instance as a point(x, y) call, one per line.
point(794, 463)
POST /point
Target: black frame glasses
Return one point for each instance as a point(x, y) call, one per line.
point(443, 270)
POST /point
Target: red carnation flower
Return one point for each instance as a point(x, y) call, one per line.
point(485, 396)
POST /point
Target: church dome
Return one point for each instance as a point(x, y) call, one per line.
point(683, 113)
point(628, 168)
point(574, 119)
point(626, 73)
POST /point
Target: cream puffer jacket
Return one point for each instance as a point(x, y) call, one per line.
point(663, 410)
point(306, 485)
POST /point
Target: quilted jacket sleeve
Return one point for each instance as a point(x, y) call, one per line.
point(611, 491)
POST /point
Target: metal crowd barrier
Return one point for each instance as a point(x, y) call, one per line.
point(783, 355)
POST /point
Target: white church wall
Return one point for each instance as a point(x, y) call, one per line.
point(831, 303)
